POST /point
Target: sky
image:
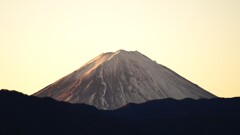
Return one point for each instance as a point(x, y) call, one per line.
point(44, 40)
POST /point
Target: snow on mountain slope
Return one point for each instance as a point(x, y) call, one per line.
point(112, 80)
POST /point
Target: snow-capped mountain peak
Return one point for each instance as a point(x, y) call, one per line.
point(114, 79)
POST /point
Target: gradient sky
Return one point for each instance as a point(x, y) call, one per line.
point(43, 40)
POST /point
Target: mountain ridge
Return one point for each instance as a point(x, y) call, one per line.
point(114, 79)
point(26, 115)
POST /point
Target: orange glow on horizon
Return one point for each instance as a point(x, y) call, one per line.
point(42, 41)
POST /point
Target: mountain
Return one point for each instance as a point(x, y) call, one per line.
point(29, 115)
point(114, 79)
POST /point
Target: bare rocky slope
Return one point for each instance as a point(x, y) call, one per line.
point(112, 80)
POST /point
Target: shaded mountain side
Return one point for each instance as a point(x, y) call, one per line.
point(114, 79)
point(28, 115)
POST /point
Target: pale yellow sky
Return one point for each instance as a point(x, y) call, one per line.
point(43, 40)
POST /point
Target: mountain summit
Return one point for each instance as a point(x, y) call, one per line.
point(112, 80)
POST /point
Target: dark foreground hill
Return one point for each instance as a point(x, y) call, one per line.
point(26, 115)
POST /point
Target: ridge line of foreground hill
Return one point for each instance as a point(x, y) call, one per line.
point(22, 114)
